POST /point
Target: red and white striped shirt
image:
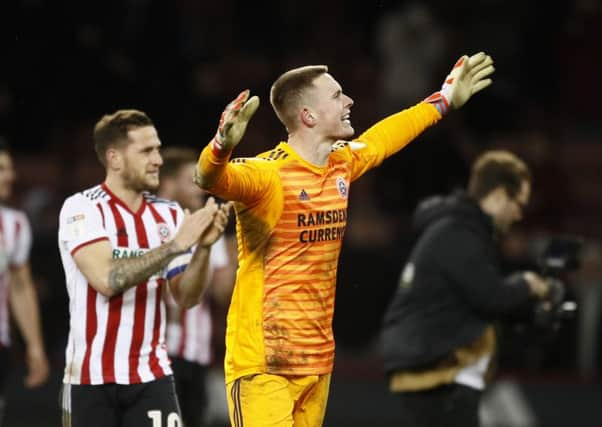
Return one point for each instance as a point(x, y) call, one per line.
point(119, 339)
point(15, 244)
point(189, 336)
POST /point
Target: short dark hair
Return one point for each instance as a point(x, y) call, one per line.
point(287, 90)
point(174, 158)
point(112, 130)
point(497, 168)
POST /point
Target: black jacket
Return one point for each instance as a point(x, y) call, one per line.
point(451, 288)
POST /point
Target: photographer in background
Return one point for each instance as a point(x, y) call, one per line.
point(438, 337)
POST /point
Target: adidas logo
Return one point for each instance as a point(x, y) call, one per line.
point(303, 195)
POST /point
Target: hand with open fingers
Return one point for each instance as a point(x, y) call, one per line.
point(194, 225)
point(468, 76)
point(220, 221)
point(234, 121)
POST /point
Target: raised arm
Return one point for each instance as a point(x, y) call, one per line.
point(230, 130)
point(241, 180)
point(469, 76)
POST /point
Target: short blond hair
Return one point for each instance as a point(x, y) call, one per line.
point(288, 89)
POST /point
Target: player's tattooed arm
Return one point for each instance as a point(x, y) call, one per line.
point(128, 272)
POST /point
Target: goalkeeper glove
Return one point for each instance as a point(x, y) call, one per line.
point(233, 123)
point(468, 77)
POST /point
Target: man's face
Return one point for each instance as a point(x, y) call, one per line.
point(7, 176)
point(142, 160)
point(510, 210)
point(331, 107)
point(187, 193)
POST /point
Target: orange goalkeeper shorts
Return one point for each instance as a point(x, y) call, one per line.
point(265, 400)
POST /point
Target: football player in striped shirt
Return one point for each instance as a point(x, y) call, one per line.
point(120, 247)
point(291, 212)
point(16, 286)
point(189, 332)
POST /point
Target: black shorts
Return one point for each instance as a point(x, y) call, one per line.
point(191, 386)
point(152, 404)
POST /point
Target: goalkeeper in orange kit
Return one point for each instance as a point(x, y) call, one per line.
point(291, 210)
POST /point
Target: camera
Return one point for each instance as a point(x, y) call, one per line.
point(559, 255)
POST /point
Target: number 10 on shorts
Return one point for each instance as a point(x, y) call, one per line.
point(173, 419)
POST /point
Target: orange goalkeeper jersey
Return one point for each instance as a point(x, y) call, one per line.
point(290, 221)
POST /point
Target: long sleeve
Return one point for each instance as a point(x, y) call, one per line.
point(389, 136)
point(476, 277)
point(244, 180)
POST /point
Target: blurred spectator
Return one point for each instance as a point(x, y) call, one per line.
point(411, 46)
point(17, 292)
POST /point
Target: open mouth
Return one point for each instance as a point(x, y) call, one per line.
point(346, 119)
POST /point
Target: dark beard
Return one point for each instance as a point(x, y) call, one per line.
point(135, 183)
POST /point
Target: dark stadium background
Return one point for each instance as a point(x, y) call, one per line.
point(182, 61)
